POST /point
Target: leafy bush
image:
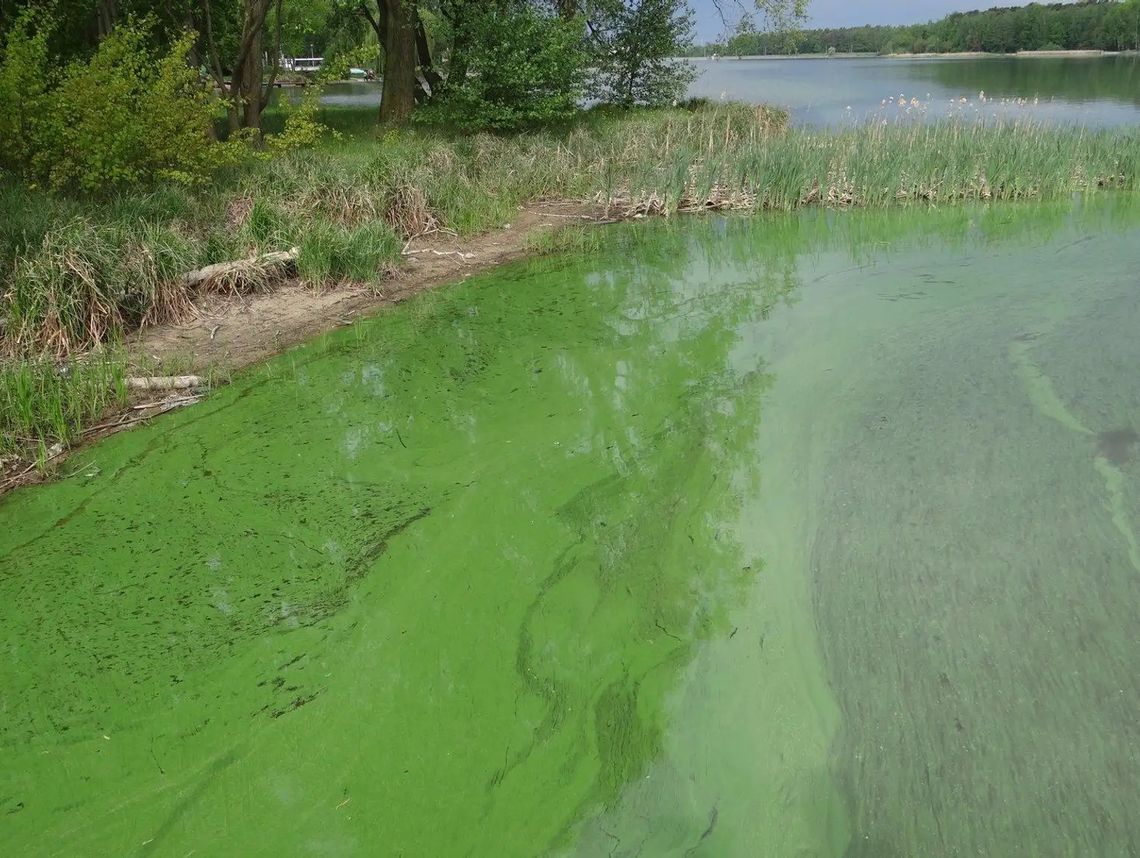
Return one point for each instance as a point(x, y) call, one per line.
point(128, 116)
point(339, 66)
point(23, 92)
point(523, 68)
point(302, 127)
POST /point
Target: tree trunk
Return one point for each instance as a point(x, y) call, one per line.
point(423, 54)
point(250, 85)
point(399, 93)
point(107, 15)
point(457, 63)
point(264, 93)
point(243, 93)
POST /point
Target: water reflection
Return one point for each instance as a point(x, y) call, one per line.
point(1091, 91)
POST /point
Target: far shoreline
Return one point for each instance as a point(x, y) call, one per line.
point(952, 55)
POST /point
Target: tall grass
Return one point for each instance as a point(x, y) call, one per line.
point(43, 403)
point(78, 273)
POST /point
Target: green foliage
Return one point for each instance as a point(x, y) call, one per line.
point(523, 67)
point(303, 128)
point(23, 92)
point(129, 115)
point(339, 66)
point(639, 41)
point(334, 68)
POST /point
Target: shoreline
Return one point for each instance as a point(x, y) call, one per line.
point(231, 334)
point(953, 55)
point(355, 269)
point(981, 55)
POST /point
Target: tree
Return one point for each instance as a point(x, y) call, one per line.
point(783, 18)
point(520, 65)
point(246, 93)
point(398, 96)
point(1122, 25)
point(638, 43)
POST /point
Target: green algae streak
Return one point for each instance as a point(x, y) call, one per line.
point(736, 537)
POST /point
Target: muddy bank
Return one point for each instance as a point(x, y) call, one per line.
point(231, 333)
point(234, 333)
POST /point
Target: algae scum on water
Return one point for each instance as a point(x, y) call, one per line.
point(812, 535)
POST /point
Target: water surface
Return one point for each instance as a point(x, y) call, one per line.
point(811, 535)
point(1088, 91)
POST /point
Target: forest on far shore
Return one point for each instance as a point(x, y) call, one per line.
point(1101, 25)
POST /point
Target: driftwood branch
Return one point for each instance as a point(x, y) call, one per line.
point(242, 268)
point(166, 382)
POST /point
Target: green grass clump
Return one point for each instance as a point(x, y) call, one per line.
point(336, 254)
point(87, 282)
point(43, 403)
point(573, 239)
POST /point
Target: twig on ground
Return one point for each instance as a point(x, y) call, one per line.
point(168, 403)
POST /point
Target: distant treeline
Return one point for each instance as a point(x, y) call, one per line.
point(1107, 25)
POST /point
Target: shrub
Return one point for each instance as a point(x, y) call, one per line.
point(23, 92)
point(127, 116)
point(302, 127)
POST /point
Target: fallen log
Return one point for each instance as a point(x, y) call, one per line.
point(166, 382)
point(241, 269)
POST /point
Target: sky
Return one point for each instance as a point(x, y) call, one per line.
point(852, 13)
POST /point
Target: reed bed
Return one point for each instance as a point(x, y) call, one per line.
point(80, 273)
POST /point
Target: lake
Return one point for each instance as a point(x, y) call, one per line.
point(1090, 91)
point(802, 535)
